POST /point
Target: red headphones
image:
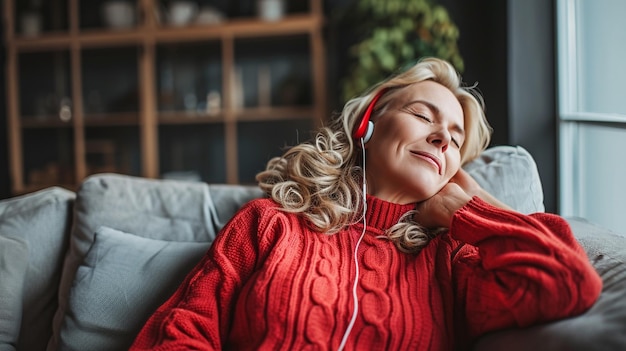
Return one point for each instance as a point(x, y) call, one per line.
point(366, 127)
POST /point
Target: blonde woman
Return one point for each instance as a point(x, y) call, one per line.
point(373, 237)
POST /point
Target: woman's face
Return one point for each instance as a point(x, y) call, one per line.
point(415, 148)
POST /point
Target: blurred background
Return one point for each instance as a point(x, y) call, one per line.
point(209, 90)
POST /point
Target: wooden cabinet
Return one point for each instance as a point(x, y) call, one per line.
point(211, 102)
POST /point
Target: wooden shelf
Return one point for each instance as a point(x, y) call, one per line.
point(235, 28)
point(44, 42)
point(47, 121)
point(243, 114)
point(78, 76)
point(112, 119)
point(274, 113)
point(241, 28)
point(190, 118)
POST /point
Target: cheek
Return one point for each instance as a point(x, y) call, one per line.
point(454, 164)
point(398, 126)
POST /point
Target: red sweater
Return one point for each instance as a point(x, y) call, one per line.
point(269, 282)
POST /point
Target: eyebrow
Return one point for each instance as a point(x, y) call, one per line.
point(456, 127)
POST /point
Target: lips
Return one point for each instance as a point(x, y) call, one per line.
point(434, 160)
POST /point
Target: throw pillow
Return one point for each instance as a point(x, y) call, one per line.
point(510, 174)
point(13, 265)
point(122, 281)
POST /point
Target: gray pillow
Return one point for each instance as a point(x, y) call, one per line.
point(603, 326)
point(42, 221)
point(510, 174)
point(13, 265)
point(122, 281)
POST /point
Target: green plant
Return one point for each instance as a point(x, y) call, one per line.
point(394, 34)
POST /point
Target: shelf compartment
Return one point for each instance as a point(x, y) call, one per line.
point(113, 149)
point(48, 156)
point(36, 18)
point(108, 15)
point(273, 72)
point(45, 85)
point(195, 152)
point(190, 78)
point(110, 80)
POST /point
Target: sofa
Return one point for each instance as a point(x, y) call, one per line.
point(83, 270)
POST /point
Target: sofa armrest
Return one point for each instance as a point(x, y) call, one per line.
point(34, 232)
point(602, 327)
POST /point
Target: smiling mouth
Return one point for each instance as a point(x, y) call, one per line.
point(432, 159)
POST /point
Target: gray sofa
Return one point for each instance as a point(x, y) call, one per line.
point(83, 271)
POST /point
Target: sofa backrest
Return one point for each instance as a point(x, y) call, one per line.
point(133, 239)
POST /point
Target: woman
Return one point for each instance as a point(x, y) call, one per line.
point(373, 237)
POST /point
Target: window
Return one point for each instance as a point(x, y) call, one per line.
point(592, 110)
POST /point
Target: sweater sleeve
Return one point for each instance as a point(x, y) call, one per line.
point(516, 270)
point(198, 314)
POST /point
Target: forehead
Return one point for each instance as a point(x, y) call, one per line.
point(430, 93)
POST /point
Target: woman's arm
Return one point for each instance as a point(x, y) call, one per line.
point(516, 270)
point(198, 314)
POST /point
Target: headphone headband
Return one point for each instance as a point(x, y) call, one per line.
point(361, 130)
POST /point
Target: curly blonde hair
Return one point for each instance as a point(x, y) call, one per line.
point(322, 178)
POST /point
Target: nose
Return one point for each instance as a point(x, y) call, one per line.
point(440, 138)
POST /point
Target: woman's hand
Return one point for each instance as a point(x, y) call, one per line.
point(438, 210)
point(472, 188)
point(467, 183)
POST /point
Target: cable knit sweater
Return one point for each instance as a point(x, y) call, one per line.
point(270, 283)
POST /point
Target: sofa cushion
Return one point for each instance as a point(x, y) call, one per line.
point(169, 210)
point(602, 327)
point(41, 221)
point(13, 265)
point(510, 174)
point(123, 279)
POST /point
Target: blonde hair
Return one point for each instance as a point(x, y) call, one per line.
point(322, 179)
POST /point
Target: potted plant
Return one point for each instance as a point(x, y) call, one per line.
point(393, 34)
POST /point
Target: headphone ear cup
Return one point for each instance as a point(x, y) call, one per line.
point(366, 127)
point(368, 132)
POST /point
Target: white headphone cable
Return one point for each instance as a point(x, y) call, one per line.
point(356, 260)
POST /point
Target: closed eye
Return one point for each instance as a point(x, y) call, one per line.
point(423, 117)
